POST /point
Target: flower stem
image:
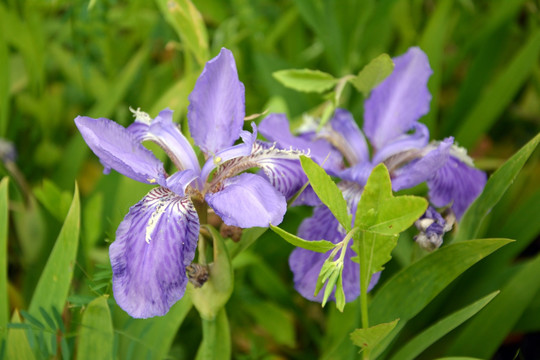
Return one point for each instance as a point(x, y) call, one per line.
point(364, 283)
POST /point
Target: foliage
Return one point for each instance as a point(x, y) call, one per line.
point(59, 213)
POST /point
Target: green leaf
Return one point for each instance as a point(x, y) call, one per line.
point(429, 336)
point(188, 23)
point(306, 80)
point(379, 211)
point(53, 199)
point(53, 286)
point(277, 321)
point(320, 246)
point(368, 338)
point(96, 336)
point(216, 291)
point(4, 299)
point(495, 188)
point(18, 347)
point(411, 289)
point(373, 74)
point(500, 93)
point(379, 248)
point(249, 236)
point(486, 332)
point(216, 343)
point(327, 191)
point(4, 86)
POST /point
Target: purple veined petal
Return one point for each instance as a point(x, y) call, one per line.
point(167, 135)
point(230, 153)
point(417, 140)
point(154, 243)
point(456, 183)
point(343, 133)
point(400, 100)
point(119, 149)
point(422, 169)
point(180, 180)
point(217, 105)
point(248, 200)
point(275, 128)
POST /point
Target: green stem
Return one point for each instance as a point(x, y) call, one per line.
point(364, 283)
point(216, 342)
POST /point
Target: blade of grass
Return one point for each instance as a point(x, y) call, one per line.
point(4, 299)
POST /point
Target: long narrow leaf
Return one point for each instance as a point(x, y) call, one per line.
point(96, 335)
point(496, 186)
point(4, 300)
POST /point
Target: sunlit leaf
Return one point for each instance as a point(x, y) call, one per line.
point(368, 338)
point(373, 74)
point(96, 336)
point(321, 246)
point(306, 80)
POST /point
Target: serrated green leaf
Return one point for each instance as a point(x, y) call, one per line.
point(18, 347)
point(306, 80)
point(320, 246)
point(188, 23)
point(368, 338)
point(429, 336)
point(327, 191)
point(411, 289)
point(495, 188)
point(53, 286)
point(379, 211)
point(4, 299)
point(373, 74)
point(96, 335)
point(499, 93)
point(486, 332)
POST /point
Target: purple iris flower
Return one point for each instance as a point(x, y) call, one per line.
point(158, 237)
point(400, 142)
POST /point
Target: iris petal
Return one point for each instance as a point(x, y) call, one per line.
point(456, 183)
point(400, 100)
point(248, 200)
point(119, 149)
point(217, 105)
point(154, 243)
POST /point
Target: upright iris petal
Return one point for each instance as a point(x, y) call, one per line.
point(216, 110)
point(400, 100)
point(154, 243)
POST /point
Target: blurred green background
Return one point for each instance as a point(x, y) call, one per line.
point(60, 59)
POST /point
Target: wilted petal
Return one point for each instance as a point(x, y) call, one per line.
point(456, 183)
point(216, 110)
point(343, 133)
point(422, 169)
point(400, 100)
point(248, 200)
point(405, 142)
point(275, 128)
point(119, 149)
point(154, 243)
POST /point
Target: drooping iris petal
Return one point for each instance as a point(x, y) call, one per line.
point(422, 169)
point(306, 265)
point(217, 105)
point(180, 180)
point(344, 134)
point(405, 142)
point(248, 200)
point(275, 128)
point(456, 183)
point(400, 100)
point(154, 243)
point(119, 149)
